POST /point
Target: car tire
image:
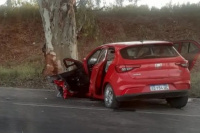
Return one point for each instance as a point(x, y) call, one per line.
point(110, 100)
point(178, 102)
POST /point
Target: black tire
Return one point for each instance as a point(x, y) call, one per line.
point(110, 100)
point(178, 102)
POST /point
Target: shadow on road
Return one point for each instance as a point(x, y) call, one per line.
point(156, 104)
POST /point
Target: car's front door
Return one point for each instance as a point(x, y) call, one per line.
point(97, 73)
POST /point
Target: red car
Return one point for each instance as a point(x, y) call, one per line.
point(127, 70)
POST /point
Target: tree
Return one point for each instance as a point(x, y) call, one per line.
point(135, 1)
point(60, 33)
point(98, 2)
point(119, 2)
point(9, 3)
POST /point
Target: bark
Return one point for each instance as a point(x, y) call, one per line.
point(60, 33)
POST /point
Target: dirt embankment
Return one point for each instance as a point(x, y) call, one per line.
point(22, 40)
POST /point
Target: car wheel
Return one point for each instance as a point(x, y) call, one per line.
point(178, 102)
point(110, 100)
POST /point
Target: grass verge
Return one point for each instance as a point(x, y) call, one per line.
point(29, 76)
point(195, 80)
point(195, 85)
point(26, 76)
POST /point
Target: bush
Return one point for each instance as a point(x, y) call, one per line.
point(25, 11)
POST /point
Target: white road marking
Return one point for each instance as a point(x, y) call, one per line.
point(102, 109)
point(59, 106)
point(27, 89)
point(158, 113)
point(96, 108)
point(4, 101)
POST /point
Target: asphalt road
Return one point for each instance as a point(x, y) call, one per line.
point(40, 111)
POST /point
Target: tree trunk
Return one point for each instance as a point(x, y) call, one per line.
point(60, 33)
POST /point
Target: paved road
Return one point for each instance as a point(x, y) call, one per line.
point(39, 111)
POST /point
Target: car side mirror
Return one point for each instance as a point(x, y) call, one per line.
point(92, 61)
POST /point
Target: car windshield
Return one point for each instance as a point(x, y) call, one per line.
point(148, 51)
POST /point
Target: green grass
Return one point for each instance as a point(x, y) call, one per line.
point(29, 76)
point(195, 85)
point(26, 75)
point(195, 80)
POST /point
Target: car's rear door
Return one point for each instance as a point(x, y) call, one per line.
point(190, 50)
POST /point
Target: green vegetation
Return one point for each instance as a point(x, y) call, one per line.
point(24, 75)
point(23, 12)
point(195, 85)
point(195, 80)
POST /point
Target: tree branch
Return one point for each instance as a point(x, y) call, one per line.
point(81, 27)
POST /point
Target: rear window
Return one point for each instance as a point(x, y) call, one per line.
point(148, 51)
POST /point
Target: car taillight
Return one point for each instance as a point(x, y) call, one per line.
point(125, 68)
point(183, 64)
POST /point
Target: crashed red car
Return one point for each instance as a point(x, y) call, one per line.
point(127, 70)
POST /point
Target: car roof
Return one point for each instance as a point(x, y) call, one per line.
point(124, 44)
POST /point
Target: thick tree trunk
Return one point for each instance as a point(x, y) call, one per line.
point(60, 33)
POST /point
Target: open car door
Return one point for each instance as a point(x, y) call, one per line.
point(75, 76)
point(97, 74)
point(189, 49)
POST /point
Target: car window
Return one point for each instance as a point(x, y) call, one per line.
point(93, 58)
point(176, 46)
point(148, 51)
point(188, 47)
point(96, 54)
point(102, 56)
point(111, 54)
point(192, 48)
point(110, 58)
point(185, 48)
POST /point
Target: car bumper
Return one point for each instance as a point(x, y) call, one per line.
point(161, 95)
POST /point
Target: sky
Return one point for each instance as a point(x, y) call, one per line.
point(157, 3)
point(150, 3)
